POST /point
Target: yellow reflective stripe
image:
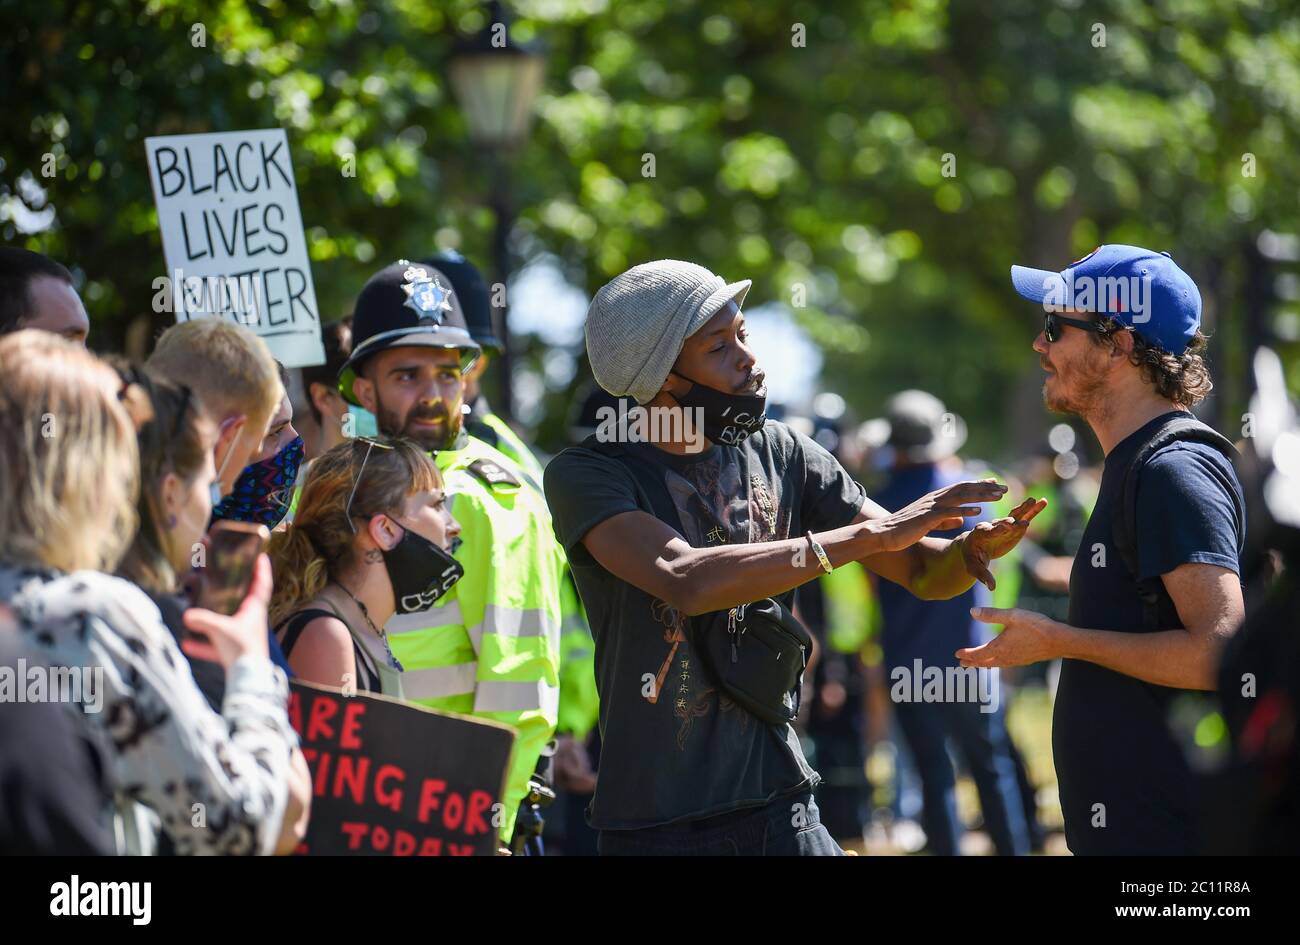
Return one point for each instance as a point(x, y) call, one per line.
point(438, 682)
point(499, 695)
point(441, 616)
point(514, 622)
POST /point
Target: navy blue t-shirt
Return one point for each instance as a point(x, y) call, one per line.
point(929, 630)
point(1110, 734)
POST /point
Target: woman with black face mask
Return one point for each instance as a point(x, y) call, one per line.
point(372, 537)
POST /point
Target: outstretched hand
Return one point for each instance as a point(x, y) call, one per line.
point(940, 510)
point(988, 541)
point(1026, 637)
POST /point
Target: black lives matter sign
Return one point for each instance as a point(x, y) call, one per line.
point(233, 239)
point(394, 779)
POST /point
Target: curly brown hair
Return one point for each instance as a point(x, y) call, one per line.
point(1182, 378)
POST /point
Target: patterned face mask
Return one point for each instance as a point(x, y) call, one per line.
point(261, 493)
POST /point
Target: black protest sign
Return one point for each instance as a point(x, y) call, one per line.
point(394, 779)
point(232, 234)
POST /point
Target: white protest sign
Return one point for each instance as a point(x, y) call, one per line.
point(232, 235)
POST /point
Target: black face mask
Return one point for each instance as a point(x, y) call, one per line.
point(728, 418)
point(420, 572)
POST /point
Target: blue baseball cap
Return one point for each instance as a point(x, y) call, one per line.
point(1139, 288)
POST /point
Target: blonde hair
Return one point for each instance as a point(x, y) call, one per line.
point(318, 545)
point(70, 472)
point(228, 367)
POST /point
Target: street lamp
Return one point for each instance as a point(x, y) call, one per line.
point(496, 83)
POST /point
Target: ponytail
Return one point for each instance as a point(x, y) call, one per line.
point(301, 572)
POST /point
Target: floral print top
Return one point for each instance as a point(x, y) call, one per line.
point(218, 783)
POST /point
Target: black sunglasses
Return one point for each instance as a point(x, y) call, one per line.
point(1052, 323)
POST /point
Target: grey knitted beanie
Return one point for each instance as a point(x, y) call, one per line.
point(638, 322)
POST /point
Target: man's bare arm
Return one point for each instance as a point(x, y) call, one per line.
point(645, 552)
point(941, 568)
point(1211, 609)
point(1210, 606)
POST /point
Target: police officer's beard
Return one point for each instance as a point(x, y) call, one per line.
point(440, 437)
point(430, 438)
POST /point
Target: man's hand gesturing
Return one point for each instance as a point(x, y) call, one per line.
point(935, 511)
point(990, 540)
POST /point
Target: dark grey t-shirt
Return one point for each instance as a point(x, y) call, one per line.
point(673, 748)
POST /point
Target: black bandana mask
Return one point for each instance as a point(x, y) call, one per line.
point(420, 572)
point(728, 418)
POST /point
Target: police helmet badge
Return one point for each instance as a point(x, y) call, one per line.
point(426, 295)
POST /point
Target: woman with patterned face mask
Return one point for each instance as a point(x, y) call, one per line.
point(262, 492)
point(372, 537)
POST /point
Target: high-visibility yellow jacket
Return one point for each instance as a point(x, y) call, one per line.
point(508, 442)
point(579, 699)
point(491, 646)
point(852, 611)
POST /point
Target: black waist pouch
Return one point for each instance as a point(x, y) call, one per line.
point(756, 653)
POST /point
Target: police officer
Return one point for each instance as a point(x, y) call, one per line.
point(476, 302)
point(490, 647)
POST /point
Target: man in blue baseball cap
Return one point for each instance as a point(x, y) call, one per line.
point(1139, 288)
point(1155, 588)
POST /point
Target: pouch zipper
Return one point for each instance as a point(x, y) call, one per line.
point(731, 631)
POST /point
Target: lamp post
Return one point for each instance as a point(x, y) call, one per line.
point(496, 83)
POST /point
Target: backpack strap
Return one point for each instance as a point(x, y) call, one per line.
point(1182, 428)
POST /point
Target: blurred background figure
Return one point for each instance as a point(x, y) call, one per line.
point(922, 439)
point(37, 292)
point(1250, 802)
point(1056, 474)
point(841, 611)
point(477, 304)
point(321, 412)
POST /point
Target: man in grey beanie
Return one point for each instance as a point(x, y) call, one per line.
point(659, 532)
